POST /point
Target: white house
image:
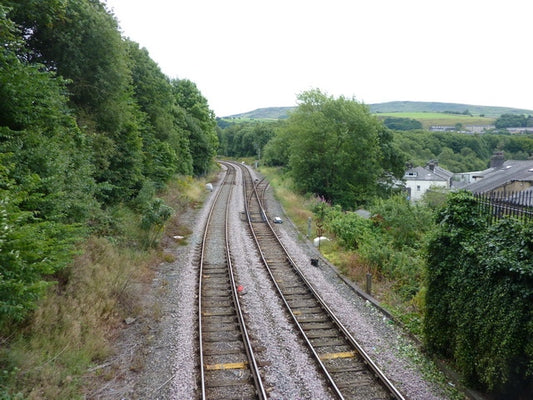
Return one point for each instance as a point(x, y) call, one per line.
point(419, 179)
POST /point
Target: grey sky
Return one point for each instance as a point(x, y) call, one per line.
point(247, 54)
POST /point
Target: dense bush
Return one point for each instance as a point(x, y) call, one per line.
point(480, 298)
point(392, 240)
point(88, 123)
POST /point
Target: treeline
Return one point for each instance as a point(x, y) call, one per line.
point(332, 147)
point(457, 152)
point(460, 152)
point(513, 121)
point(87, 121)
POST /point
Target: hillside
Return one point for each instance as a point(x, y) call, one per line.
point(394, 107)
point(436, 107)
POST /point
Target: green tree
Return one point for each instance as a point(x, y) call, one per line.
point(200, 123)
point(165, 144)
point(46, 185)
point(335, 149)
point(80, 41)
point(402, 124)
point(510, 121)
point(246, 139)
point(277, 151)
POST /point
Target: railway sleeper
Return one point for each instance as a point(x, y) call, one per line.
point(229, 394)
point(297, 291)
point(321, 333)
point(222, 319)
point(306, 312)
point(311, 318)
point(215, 278)
point(353, 363)
point(316, 326)
point(225, 361)
point(217, 348)
point(363, 391)
point(216, 303)
point(213, 267)
point(212, 326)
point(347, 371)
point(321, 342)
point(218, 311)
point(215, 293)
point(217, 336)
point(297, 304)
point(221, 377)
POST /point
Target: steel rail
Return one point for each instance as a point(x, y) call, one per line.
point(254, 370)
point(247, 342)
point(367, 359)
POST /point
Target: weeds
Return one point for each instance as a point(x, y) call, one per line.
point(72, 331)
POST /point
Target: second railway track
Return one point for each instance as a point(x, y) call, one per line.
point(348, 371)
point(227, 365)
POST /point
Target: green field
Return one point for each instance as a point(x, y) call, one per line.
point(440, 119)
point(426, 118)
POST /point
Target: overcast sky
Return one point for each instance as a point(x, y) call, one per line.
point(247, 54)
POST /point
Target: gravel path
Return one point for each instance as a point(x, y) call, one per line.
point(156, 354)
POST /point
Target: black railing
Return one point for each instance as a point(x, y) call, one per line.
point(517, 205)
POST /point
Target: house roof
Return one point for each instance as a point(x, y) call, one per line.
point(511, 170)
point(426, 174)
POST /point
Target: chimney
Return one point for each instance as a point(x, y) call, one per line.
point(431, 165)
point(497, 159)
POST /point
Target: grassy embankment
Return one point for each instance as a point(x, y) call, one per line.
point(299, 210)
point(73, 329)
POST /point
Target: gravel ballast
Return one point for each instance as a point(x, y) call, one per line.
point(162, 342)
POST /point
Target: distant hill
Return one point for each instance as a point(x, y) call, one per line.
point(394, 107)
point(423, 106)
point(263, 113)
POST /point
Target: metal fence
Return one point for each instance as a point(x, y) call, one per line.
point(517, 205)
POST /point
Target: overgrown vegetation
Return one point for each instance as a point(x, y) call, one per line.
point(88, 122)
point(389, 245)
point(71, 331)
point(461, 285)
point(479, 298)
point(92, 134)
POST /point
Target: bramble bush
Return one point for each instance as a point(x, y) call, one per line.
point(479, 298)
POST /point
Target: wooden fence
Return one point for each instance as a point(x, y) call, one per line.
point(517, 205)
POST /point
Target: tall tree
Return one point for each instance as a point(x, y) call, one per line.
point(165, 142)
point(199, 121)
point(46, 186)
point(80, 41)
point(335, 148)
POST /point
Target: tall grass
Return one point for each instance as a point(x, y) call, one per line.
point(74, 326)
point(297, 207)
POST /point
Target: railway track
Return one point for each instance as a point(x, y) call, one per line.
point(348, 371)
point(228, 369)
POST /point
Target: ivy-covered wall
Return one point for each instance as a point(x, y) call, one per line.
point(479, 302)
